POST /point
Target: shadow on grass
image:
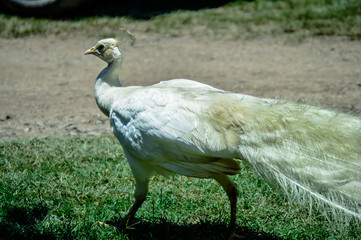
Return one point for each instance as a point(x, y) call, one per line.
point(164, 230)
point(141, 9)
point(21, 223)
point(136, 9)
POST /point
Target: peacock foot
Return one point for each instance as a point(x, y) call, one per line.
point(120, 224)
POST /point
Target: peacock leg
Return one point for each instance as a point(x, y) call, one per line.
point(140, 194)
point(231, 189)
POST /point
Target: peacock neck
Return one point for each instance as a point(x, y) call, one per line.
point(107, 81)
point(110, 74)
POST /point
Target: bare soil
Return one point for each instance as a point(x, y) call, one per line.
point(47, 82)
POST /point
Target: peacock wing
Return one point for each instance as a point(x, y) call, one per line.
point(166, 129)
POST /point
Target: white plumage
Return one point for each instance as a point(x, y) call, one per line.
point(185, 127)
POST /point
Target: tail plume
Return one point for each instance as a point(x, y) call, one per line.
point(308, 151)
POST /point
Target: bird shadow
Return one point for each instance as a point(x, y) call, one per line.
point(20, 222)
point(162, 229)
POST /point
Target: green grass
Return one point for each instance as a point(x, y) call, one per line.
point(59, 187)
point(237, 20)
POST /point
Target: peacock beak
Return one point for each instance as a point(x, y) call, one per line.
point(90, 51)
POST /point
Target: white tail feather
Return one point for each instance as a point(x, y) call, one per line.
point(305, 150)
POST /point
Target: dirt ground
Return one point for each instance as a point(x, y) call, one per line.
point(47, 83)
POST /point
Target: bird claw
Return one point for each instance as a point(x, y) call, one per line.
point(122, 224)
point(103, 224)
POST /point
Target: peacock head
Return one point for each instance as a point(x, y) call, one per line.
point(106, 49)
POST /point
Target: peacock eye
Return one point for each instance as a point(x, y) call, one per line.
point(101, 47)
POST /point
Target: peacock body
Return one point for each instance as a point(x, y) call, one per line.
point(189, 128)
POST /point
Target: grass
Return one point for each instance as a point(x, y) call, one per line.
point(237, 20)
point(59, 187)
